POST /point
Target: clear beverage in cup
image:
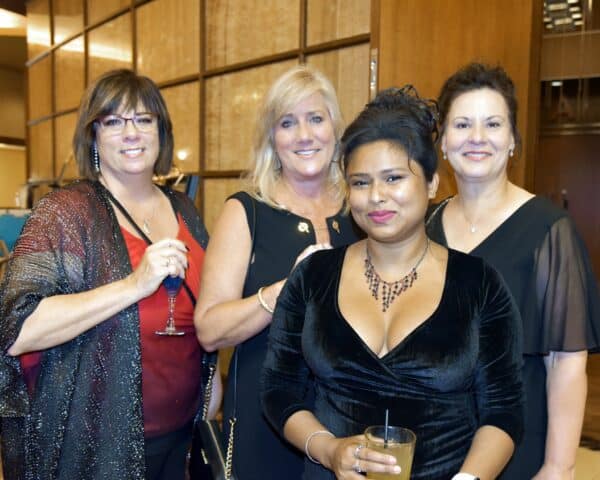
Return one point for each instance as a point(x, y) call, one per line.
point(400, 443)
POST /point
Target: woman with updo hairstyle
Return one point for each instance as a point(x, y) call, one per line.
point(542, 258)
point(395, 323)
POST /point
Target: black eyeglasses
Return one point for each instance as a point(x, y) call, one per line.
point(114, 124)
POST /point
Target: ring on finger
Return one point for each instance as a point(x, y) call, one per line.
point(357, 450)
point(356, 467)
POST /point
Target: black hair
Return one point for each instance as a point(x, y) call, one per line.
point(401, 117)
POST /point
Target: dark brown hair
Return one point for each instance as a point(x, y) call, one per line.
point(475, 76)
point(110, 92)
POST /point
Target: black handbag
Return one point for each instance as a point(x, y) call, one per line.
point(210, 458)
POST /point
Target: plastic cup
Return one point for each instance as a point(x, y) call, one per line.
point(400, 443)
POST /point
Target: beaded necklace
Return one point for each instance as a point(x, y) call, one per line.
point(390, 290)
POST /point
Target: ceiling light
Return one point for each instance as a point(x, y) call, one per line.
point(556, 83)
point(576, 8)
point(553, 7)
point(12, 21)
point(547, 19)
point(573, 2)
point(578, 23)
point(563, 21)
point(576, 16)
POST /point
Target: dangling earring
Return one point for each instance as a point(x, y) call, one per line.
point(444, 156)
point(511, 152)
point(95, 158)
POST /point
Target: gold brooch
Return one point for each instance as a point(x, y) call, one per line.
point(303, 227)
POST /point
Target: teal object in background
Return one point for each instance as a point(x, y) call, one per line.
point(10, 228)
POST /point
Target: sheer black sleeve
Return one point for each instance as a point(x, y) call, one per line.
point(566, 294)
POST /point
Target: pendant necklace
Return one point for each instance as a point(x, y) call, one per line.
point(471, 225)
point(390, 290)
point(146, 222)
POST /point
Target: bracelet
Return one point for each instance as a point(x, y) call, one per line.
point(464, 476)
point(309, 438)
point(262, 302)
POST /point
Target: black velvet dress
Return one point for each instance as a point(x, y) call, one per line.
point(457, 371)
point(546, 267)
point(278, 238)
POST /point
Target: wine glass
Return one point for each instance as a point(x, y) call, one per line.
point(172, 284)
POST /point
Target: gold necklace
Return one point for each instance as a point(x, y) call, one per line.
point(390, 290)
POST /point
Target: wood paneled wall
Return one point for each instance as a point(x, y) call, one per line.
point(422, 43)
point(212, 65)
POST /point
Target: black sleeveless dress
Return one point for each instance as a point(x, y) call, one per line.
point(546, 267)
point(278, 238)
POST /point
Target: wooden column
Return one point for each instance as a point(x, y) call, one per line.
point(422, 43)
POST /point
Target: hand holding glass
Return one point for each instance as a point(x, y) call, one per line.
point(172, 284)
point(398, 442)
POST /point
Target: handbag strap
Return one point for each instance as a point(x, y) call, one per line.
point(141, 233)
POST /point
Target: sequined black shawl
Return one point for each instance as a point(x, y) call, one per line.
point(85, 418)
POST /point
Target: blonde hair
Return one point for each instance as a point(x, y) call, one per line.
point(287, 91)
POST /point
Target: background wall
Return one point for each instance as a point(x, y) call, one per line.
point(13, 166)
point(12, 99)
point(212, 64)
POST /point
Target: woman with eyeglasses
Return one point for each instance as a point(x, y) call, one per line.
point(88, 387)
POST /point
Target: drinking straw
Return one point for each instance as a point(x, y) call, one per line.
point(385, 430)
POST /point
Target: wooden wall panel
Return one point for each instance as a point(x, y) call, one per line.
point(439, 36)
point(110, 47)
point(168, 39)
point(98, 10)
point(40, 93)
point(69, 74)
point(216, 191)
point(64, 127)
point(13, 160)
point(334, 19)
point(348, 70)
point(231, 109)
point(233, 38)
point(68, 18)
point(40, 151)
point(38, 27)
point(591, 420)
point(569, 164)
point(571, 55)
point(183, 103)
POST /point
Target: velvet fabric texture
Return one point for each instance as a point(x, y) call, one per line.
point(547, 269)
point(278, 238)
point(84, 419)
point(457, 371)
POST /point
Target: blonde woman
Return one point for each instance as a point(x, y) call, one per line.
point(291, 207)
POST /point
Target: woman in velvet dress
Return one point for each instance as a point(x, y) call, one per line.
point(395, 322)
point(535, 247)
point(291, 207)
point(82, 299)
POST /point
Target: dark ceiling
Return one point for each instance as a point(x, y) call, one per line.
point(17, 6)
point(13, 50)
